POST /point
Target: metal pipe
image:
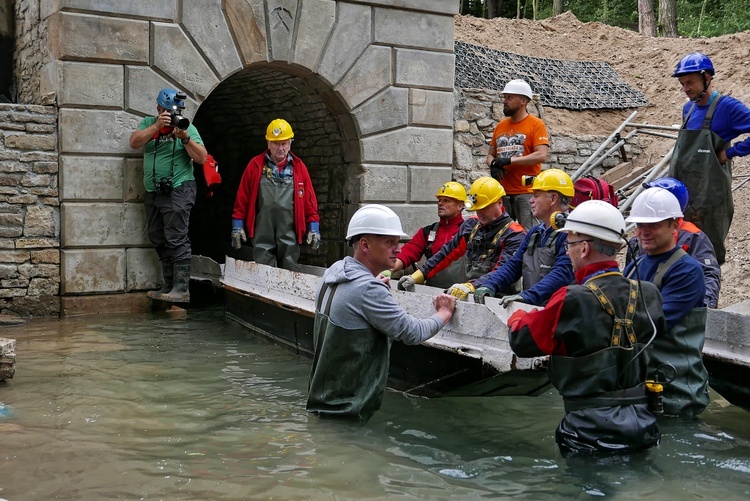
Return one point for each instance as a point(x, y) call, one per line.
point(649, 126)
point(660, 167)
point(585, 164)
point(608, 153)
point(660, 134)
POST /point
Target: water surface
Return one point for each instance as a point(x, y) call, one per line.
point(150, 407)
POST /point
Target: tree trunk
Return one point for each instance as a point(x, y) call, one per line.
point(646, 20)
point(494, 8)
point(668, 18)
point(557, 7)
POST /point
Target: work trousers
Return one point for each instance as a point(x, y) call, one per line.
point(519, 208)
point(168, 218)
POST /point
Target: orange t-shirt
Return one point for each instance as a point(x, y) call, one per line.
point(514, 140)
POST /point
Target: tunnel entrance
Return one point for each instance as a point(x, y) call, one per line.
point(232, 121)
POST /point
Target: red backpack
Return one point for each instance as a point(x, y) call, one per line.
point(591, 188)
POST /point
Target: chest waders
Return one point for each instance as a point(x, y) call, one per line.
point(603, 392)
point(454, 273)
point(709, 182)
point(350, 366)
point(275, 240)
point(538, 260)
point(682, 347)
point(483, 250)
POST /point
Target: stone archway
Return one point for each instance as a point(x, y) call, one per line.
point(232, 121)
point(367, 84)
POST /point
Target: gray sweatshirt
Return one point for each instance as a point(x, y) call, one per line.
point(362, 301)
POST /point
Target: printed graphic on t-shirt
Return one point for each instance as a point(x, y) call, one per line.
point(510, 146)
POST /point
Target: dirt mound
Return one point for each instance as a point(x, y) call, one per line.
point(645, 63)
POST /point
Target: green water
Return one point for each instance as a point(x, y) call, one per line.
point(148, 407)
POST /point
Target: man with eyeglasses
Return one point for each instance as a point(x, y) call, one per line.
point(679, 277)
point(596, 332)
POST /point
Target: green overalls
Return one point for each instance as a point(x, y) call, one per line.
point(709, 182)
point(604, 394)
point(350, 366)
point(682, 348)
point(275, 241)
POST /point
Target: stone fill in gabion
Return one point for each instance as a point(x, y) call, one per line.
point(574, 85)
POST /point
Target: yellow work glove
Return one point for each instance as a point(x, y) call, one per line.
point(461, 291)
point(406, 283)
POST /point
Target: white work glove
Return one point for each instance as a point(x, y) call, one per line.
point(406, 283)
point(461, 291)
point(238, 233)
point(506, 300)
point(313, 235)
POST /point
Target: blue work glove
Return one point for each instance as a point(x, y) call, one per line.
point(506, 300)
point(480, 294)
point(313, 234)
point(238, 233)
point(497, 167)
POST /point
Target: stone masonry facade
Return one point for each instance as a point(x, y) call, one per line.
point(366, 84)
point(29, 211)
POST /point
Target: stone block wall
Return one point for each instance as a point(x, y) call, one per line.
point(477, 112)
point(367, 85)
point(31, 52)
point(29, 211)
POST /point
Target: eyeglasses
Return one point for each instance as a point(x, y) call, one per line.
point(567, 244)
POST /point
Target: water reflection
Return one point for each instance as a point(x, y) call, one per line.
point(147, 407)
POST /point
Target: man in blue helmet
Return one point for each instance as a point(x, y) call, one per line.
point(702, 157)
point(172, 144)
point(690, 239)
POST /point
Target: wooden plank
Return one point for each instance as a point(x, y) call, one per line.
point(626, 178)
point(617, 171)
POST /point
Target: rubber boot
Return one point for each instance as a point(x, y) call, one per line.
point(180, 292)
point(167, 273)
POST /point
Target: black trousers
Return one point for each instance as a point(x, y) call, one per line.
point(168, 219)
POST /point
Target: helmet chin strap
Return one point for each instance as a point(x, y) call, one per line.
point(705, 86)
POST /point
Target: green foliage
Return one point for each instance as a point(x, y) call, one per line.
point(713, 17)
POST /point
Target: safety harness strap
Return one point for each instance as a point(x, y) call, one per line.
point(493, 244)
point(621, 325)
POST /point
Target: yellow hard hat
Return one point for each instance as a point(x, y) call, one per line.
point(484, 191)
point(554, 180)
point(452, 189)
point(279, 130)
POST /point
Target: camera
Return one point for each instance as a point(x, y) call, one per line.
point(175, 114)
point(164, 186)
point(527, 180)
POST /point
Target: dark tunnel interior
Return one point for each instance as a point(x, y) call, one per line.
point(232, 122)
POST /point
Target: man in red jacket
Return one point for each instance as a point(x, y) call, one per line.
point(275, 204)
point(427, 241)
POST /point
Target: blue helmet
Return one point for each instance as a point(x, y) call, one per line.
point(695, 62)
point(674, 186)
point(167, 98)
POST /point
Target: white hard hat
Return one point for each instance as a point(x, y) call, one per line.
point(375, 219)
point(518, 87)
point(598, 219)
point(654, 205)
